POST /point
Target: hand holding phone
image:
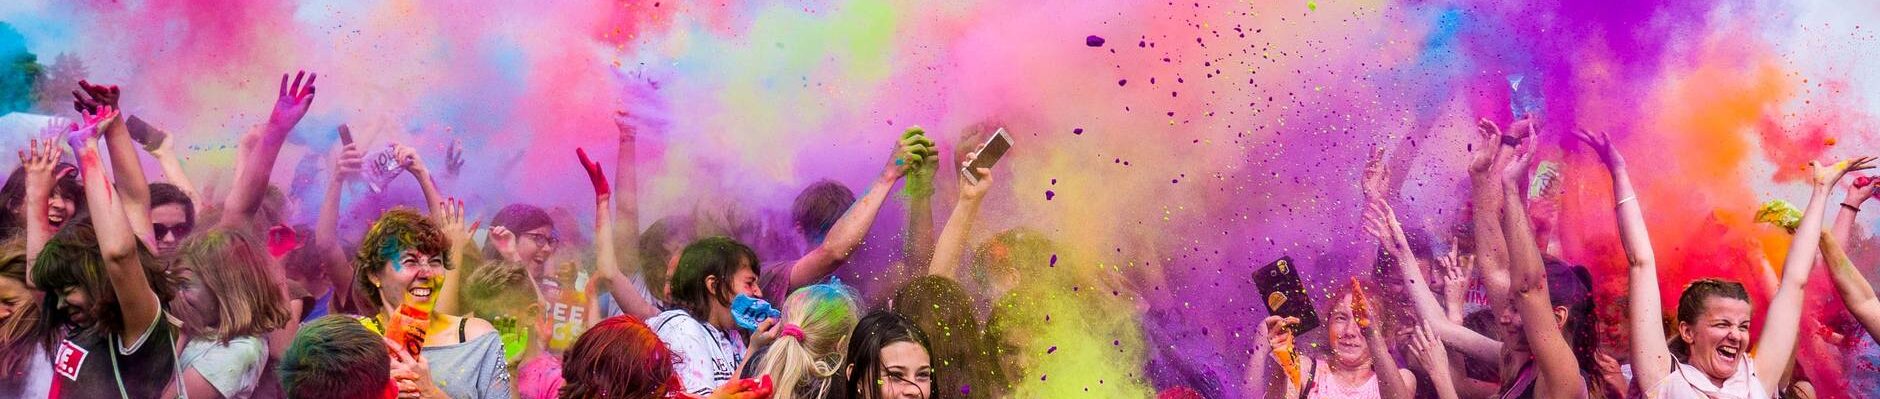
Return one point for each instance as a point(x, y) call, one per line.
point(1285, 294)
point(987, 155)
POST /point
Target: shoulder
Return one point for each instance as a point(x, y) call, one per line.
point(475, 327)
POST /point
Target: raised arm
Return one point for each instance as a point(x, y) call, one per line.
point(1856, 293)
point(409, 159)
point(1862, 190)
point(1381, 222)
point(854, 224)
point(953, 237)
point(1651, 358)
point(164, 151)
point(1404, 384)
point(41, 161)
point(133, 188)
point(137, 301)
point(252, 173)
point(1558, 366)
point(1775, 348)
point(918, 246)
point(1492, 153)
point(347, 161)
point(449, 216)
point(608, 275)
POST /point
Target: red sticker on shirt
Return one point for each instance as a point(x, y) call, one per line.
point(70, 358)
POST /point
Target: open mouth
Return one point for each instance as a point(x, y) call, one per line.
point(420, 293)
point(1728, 354)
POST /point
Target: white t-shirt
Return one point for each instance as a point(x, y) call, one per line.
point(232, 368)
point(704, 356)
point(1687, 382)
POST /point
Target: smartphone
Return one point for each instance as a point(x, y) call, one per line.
point(143, 133)
point(1285, 294)
point(345, 135)
point(988, 154)
point(748, 312)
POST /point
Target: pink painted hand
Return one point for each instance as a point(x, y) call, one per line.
point(294, 100)
point(79, 136)
point(595, 175)
point(89, 97)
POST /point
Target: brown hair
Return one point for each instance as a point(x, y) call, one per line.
point(618, 358)
point(233, 268)
point(1691, 306)
point(26, 328)
point(396, 230)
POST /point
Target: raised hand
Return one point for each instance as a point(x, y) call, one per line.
point(1601, 144)
point(89, 97)
point(1487, 147)
point(909, 154)
point(1376, 177)
point(448, 214)
point(1428, 350)
point(1826, 176)
point(294, 100)
point(409, 159)
point(1360, 305)
point(80, 136)
point(453, 158)
point(595, 175)
point(505, 243)
point(40, 158)
point(348, 161)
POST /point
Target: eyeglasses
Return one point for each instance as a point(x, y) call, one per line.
point(543, 240)
point(179, 229)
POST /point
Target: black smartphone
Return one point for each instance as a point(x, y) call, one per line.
point(1285, 294)
point(988, 154)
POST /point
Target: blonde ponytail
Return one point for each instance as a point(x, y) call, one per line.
point(825, 314)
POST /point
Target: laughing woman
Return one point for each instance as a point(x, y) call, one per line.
point(400, 269)
point(1710, 355)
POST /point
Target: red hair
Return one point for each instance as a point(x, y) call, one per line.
point(618, 358)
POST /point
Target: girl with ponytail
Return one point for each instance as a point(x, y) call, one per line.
point(807, 353)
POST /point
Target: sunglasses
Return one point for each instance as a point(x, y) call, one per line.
point(178, 230)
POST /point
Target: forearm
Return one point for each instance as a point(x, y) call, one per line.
point(431, 194)
point(629, 296)
point(1856, 293)
point(1491, 256)
point(1389, 382)
point(626, 202)
point(39, 228)
point(1467, 342)
point(1555, 357)
point(1779, 335)
point(952, 241)
point(918, 246)
point(849, 230)
point(251, 177)
point(1442, 380)
point(132, 187)
point(123, 268)
point(173, 173)
point(326, 234)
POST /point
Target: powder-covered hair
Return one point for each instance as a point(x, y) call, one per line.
point(397, 230)
point(826, 313)
point(72, 259)
point(962, 356)
point(235, 269)
point(499, 289)
point(25, 334)
point(819, 206)
point(619, 358)
point(335, 357)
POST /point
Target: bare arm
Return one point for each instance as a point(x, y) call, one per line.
point(953, 237)
point(854, 224)
point(1381, 222)
point(257, 162)
point(1404, 385)
point(41, 161)
point(338, 266)
point(1491, 255)
point(626, 198)
point(630, 296)
point(409, 159)
point(133, 188)
point(1558, 365)
point(1850, 208)
point(1856, 293)
point(165, 155)
point(918, 246)
point(1651, 358)
point(137, 301)
point(1775, 348)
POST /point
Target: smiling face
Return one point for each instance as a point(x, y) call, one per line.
point(414, 276)
point(906, 371)
point(1719, 337)
point(536, 246)
point(59, 208)
point(1349, 345)
point(77, 306)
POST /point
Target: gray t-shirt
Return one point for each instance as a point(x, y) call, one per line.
point(232, 368)
point(470, 370)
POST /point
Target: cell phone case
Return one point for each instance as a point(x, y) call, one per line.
point(749, 311)
point(1285, 294)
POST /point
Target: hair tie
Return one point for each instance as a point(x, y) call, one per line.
point(791, 330)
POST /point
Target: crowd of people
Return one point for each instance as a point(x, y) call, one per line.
point(112, 285)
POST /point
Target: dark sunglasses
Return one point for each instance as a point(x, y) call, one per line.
point(179, 230)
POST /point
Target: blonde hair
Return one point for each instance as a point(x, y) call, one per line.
point(826, 313)
point(232, 267)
